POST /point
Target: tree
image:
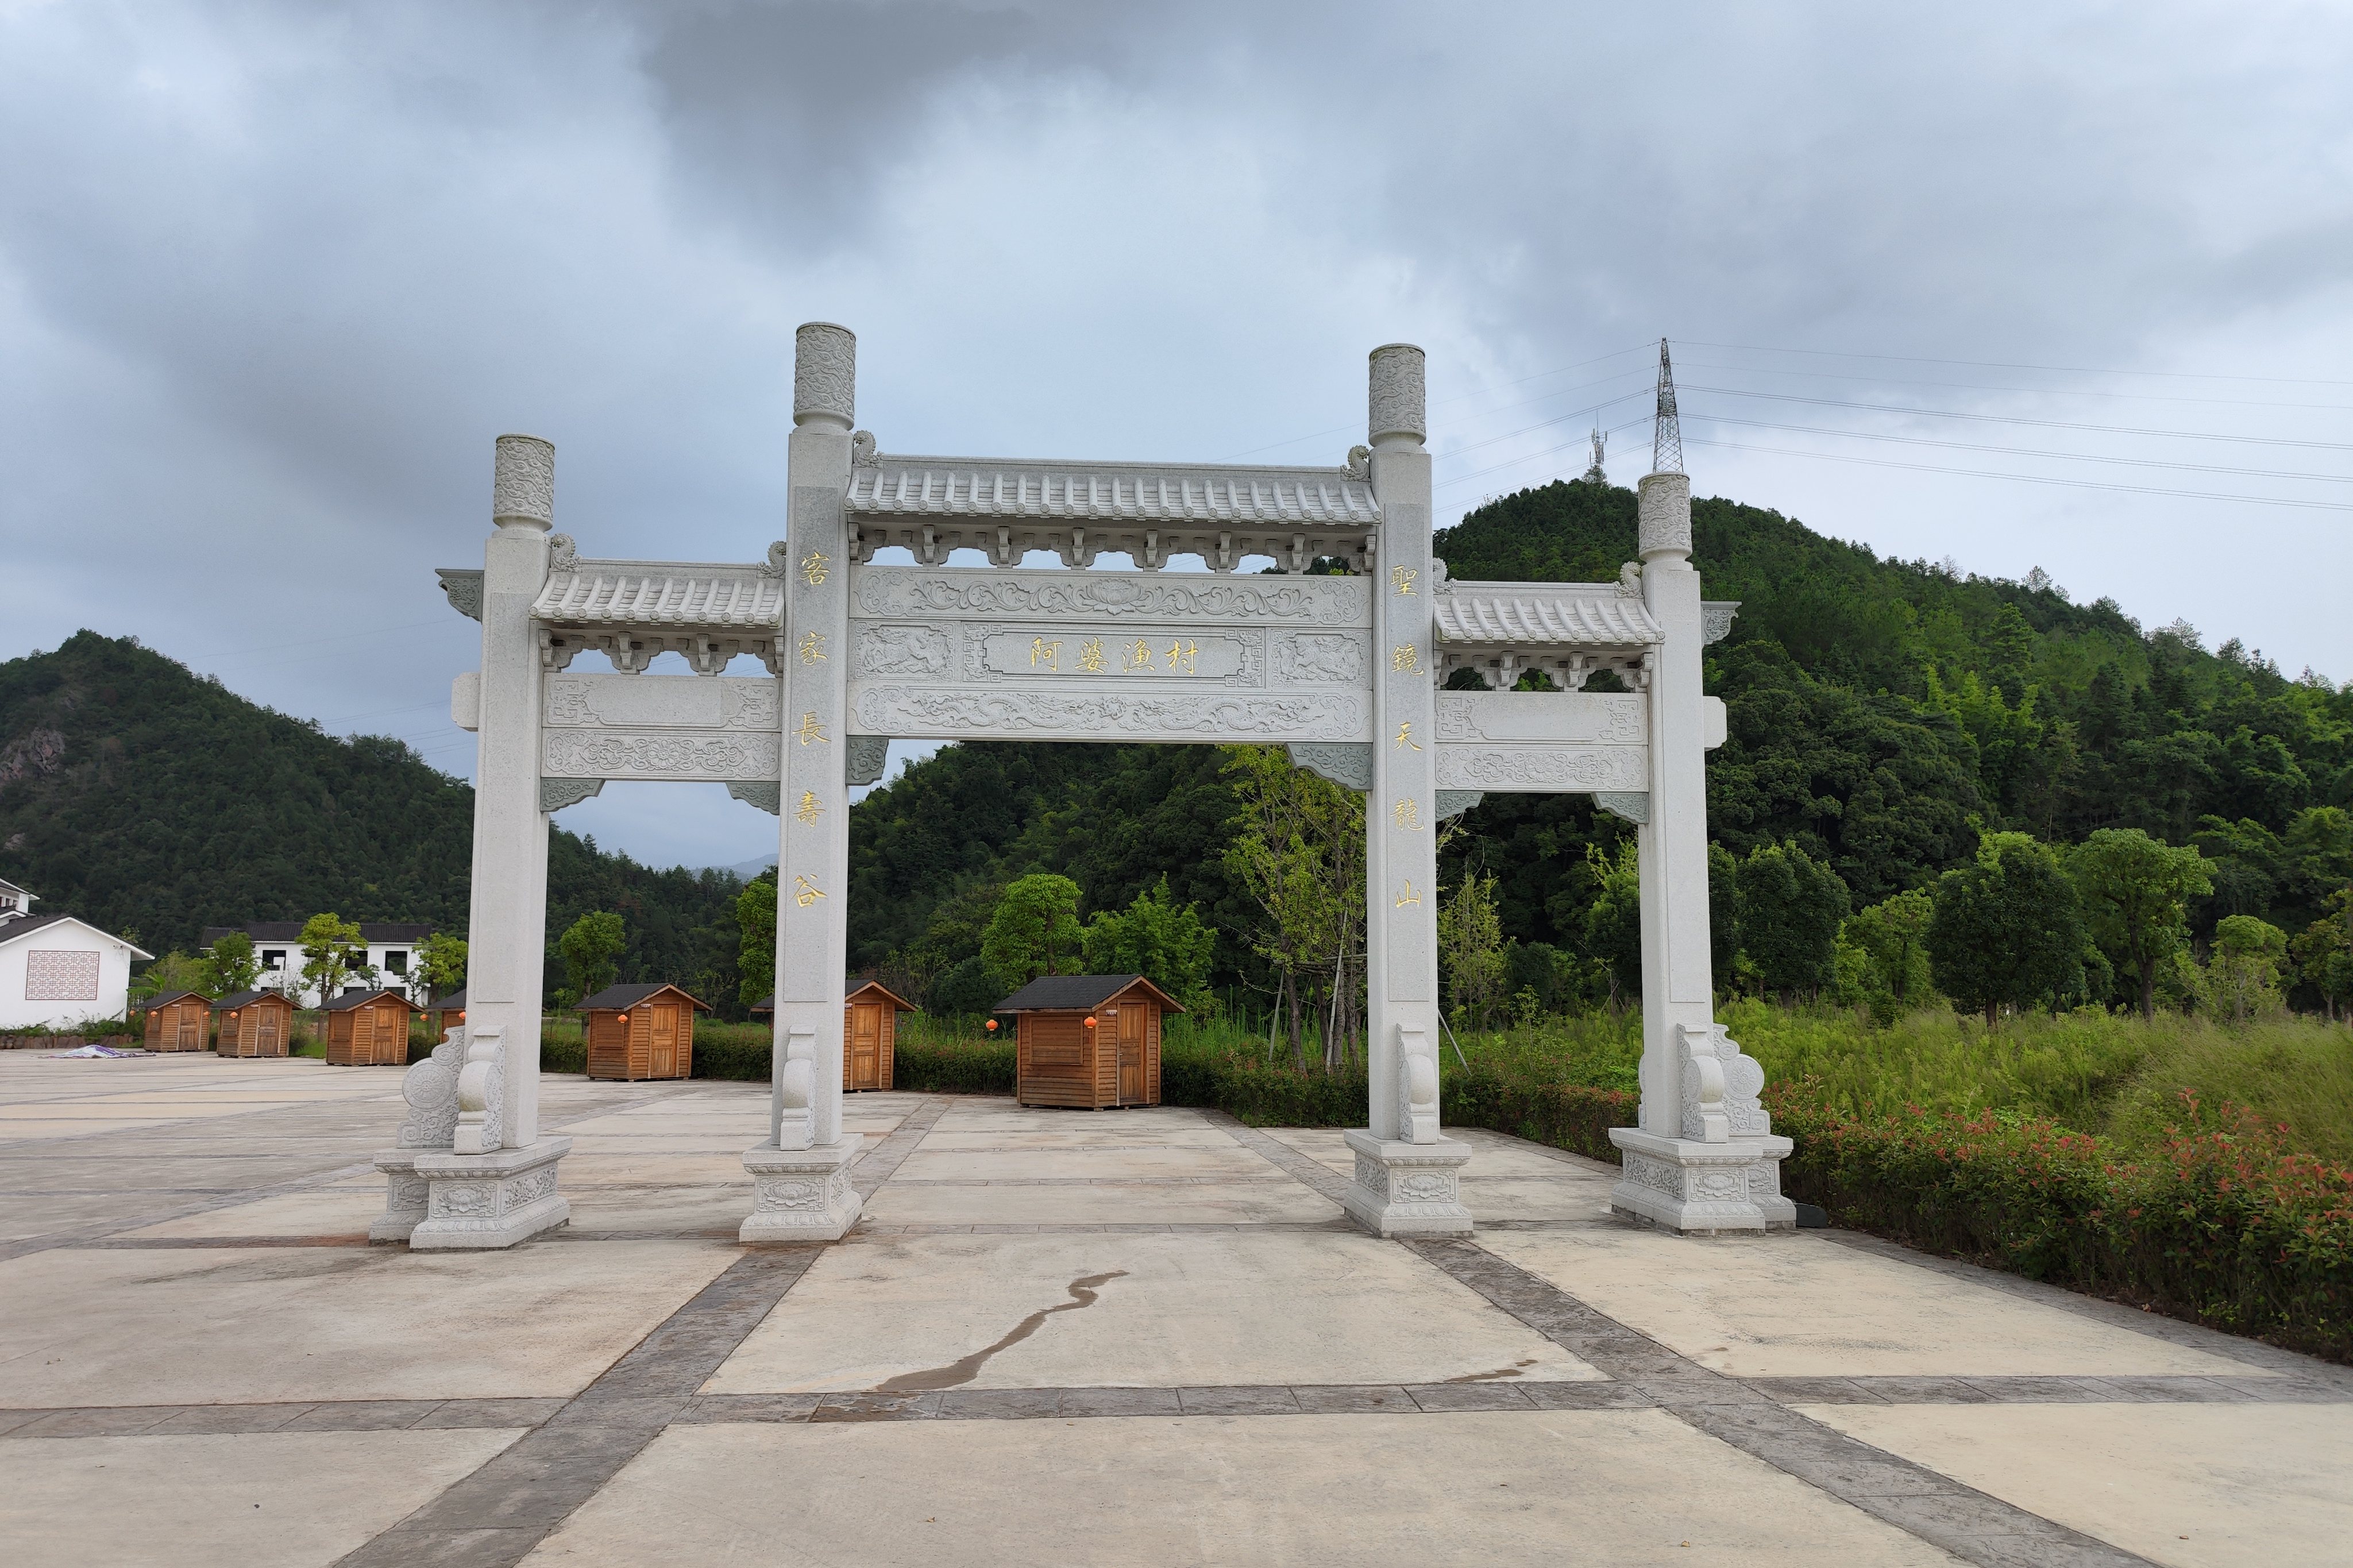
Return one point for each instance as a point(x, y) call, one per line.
point(173, 971)
point(230, 966)
point(2135, 891)
point(440, 967)
point(2004, 930)
point(591, 949)
point(1034, 931)
point(1298, 847)
point(755, 920)
point(333, 952)
point(1883, 955)
point(1613, 922)
point(1789, 905)
point(2242, 977)
point(1471, 950)
point(1154, 937)
point(2324, 953)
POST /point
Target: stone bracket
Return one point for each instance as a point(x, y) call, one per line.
point(555, 794)
point(767, 796)
point(1633, 806)
point(864, 759)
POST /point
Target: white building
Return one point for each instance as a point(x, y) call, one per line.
point(278, 945)
point(56, 970)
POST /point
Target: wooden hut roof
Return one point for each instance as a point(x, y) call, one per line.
point(453, 1002)
point(1069, 993)
point(236, 999)
point(351, 999)
point(165, 998)
point(880, 992)
point(621, 999)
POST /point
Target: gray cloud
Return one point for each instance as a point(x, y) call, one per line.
point(271, 277)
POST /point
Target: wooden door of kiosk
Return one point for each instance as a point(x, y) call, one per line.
point(866, 1045)
point(1130, 1052)
point(663, 1046)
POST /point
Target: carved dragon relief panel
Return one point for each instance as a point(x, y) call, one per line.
point(913, 713)
point(896, 592)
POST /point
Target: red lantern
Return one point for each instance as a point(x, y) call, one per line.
point(991, 1025)
point(1090, 1020)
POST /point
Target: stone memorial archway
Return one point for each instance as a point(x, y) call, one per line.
point(1345, 670)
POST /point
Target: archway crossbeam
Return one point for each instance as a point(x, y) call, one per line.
point(1346, 670)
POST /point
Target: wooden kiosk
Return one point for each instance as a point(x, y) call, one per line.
point(254, 1024)
point(444, 1014)
point(870, 1030)
point(368, 1029)
point(179, 1021)
point(1088, 1040)
point(640, 1031)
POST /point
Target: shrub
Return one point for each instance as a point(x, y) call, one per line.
point(2220, 1225)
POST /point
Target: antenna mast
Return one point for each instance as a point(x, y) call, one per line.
point(1593, 476)
point(1667, 439)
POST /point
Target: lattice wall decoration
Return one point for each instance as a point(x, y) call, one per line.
point(62, 978)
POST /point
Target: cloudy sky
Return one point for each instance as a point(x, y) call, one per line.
point(2057, 286)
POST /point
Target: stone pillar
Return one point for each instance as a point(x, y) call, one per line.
point(1703, 1158)
point(1406, 1180)
point(801, 1175)
point(497, 1182)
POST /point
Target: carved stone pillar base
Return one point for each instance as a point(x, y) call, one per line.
point(801, 1195)
point(1407, 1189)
point(405, 1194)
point(1702, 1189)
point(484, 1202)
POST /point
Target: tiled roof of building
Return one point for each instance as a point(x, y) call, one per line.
point(1587, 615)
point(376, 934)
point(616, 998)
point(351, 999)
point(1068, 993)
point(1109, 492)
point(647, 593)
point(236, 999)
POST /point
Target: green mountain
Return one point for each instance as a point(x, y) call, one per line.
point(1882, 714)
point(151, 801)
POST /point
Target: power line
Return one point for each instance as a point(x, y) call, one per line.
point(312, 642)
point(1460, 396)
point(2036, 452)
point(2025, 391)
point(2022, 420)
point(1643, 418)
point(2002, 364)
point(2031, 478)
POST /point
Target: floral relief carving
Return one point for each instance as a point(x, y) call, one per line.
point(1425, 1187)
point(1373, 1176)
point(611, 754)
point(464, 1200)
point(1565, 767)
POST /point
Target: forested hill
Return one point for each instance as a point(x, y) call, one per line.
point(1882, 714)
point(149, 800)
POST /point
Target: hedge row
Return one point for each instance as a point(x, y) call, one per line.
point(2223, 1226)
